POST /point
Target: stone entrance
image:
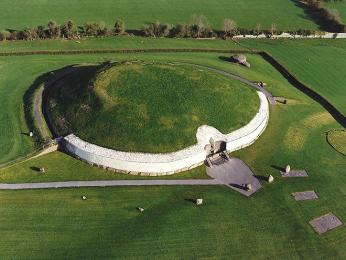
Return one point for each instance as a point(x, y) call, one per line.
point(216, 153)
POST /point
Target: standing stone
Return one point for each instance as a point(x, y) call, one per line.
point(270, 178)
point(288, 169)
point(84, 197)
point(199, 202)
point(248, 187)
point(31, 134)
point(42, 170)
point(140, 209)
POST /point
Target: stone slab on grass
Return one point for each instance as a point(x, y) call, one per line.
point(294, 173)
point(305, 195)
point(325, 223)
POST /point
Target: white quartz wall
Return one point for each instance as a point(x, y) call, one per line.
point(168, 163)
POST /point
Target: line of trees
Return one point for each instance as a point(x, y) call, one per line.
point(68, 30)
point(198, 27)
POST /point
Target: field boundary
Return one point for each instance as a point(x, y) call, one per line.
point(285, 72)
point(135, 50)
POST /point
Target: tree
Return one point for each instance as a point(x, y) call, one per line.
point(200, 26)
point(157, 29)
point(119, 27)
point(258, 29)
point(180, 31)
point(4, 35)
point(229, 27)
point(41, 34)
point(69, 30)
point(53, 29)
point(28, 34)
point(273, 29)
point(95, 29)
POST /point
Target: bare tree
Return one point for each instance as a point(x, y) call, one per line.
point(258, 29)
point(273, 29)
point(229, 27)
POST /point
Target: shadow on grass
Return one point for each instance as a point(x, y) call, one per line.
point(34, 168)
point(333, 111)
point(261, 177)
point(279, 168)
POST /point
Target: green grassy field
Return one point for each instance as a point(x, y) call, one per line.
point(317, 63)
point(339, 6)
point(285, 14)
point(149, 108)
point(57, 224)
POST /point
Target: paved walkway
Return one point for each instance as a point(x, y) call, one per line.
point(235, 174)
point(74, 184)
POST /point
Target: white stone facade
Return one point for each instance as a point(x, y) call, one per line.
point(169, 163)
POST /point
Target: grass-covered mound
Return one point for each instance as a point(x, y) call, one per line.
point(149, 107)
point(337, 139)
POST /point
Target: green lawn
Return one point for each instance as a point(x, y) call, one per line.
point(57, 224)
point(339, 6)
point(62, 167)
point(285, 14)
point(123, 42)
point(318, 63)
point(149, 108)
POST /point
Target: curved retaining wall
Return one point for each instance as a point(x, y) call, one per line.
point(168, 163)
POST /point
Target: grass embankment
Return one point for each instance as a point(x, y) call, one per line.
point(317, 63)
point(285, 14)
point(337, 139)
point(149, 108)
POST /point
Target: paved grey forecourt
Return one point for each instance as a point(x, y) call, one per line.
point(74, 184)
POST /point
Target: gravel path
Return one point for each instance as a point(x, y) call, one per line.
point(74, 184)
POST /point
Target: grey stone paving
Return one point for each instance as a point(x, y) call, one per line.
point(235, 174)
point(294, 173)
point(73, 184)
point(305, 195)
point(325, 223)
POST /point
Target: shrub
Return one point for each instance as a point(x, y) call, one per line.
point(119, 27)
point(69, 30)
point(53, 30)
point(4, 35)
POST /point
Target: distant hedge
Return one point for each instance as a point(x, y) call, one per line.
point(198, 27)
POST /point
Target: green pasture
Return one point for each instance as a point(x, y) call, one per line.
point(287, 15)
point(340, 6)
point(318, 63)
point(57, 224)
